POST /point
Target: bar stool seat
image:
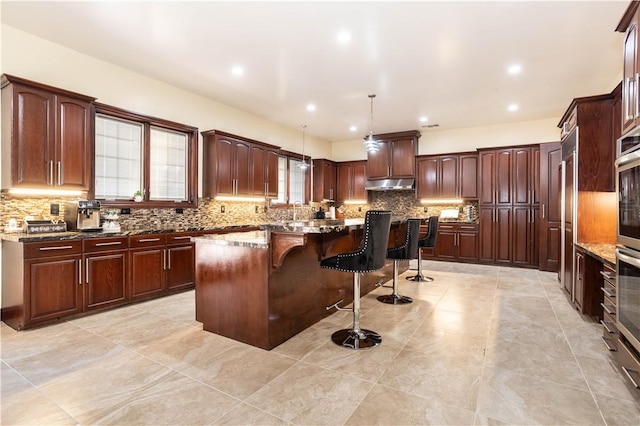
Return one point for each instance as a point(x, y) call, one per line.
point(405, 251)
point(428, 241)
point(369, 257)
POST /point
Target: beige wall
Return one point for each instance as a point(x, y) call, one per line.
point(34, 58)
point(465, 139)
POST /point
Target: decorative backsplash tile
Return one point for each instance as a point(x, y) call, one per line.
point(209, 212)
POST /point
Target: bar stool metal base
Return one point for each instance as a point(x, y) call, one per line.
point(395, 299)
point(350, 339)
point(419, 278)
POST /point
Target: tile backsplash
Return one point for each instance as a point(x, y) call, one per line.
point(211, 212)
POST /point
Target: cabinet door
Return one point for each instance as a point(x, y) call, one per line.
point(181, 267)
point(402, 154)
point(146, 276)
point(469, 176)
point(535, 236)
point(629, 82)
point(427, 177)
point(359, 180)
point(579, 281)
point(446, 242)
point(487, 217)
point(503, 180)
point(487, 177)
point(549, 244)
point(271, 172)
point(105, 282)
point(330, 181)
point(522, 225)
point(448, 175)
point(33, 134)
point(343, 184)
point(503, 239)
point(225, 169)
point(53, 287)
point(468, 245)
point(522, 176)
point(378, 163)
point(73, 148)
point(244, 166)
point(258, 171)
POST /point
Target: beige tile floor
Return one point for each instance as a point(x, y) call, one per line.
point(480, 345)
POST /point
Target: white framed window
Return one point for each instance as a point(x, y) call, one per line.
point(169, 166)
point(292, 182)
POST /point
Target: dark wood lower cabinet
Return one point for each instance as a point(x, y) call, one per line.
point(105, 272)
point(147, 273)
point(457, 242)
point(496, 229)
point(181, 264)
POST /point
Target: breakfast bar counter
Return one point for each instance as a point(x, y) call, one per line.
point(263, 287)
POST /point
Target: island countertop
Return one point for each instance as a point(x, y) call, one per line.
point(253, 239)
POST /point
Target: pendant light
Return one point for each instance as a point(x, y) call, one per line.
point(304, 165)
point(370, 143)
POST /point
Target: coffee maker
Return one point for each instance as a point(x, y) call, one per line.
point(83, 215)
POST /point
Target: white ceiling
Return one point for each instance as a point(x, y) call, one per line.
point(445, 60)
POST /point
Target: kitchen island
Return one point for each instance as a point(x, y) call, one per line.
point(264, 287)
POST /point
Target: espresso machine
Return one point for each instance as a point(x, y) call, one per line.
point(83, 215)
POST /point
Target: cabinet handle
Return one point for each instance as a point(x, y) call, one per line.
point(186, 237)
point(331, 193)
point(607, 309)
point(611, 348)
point(266, 189)
point(607, 275)
point(168, 259)
point(164, 260)
point(635, 88)
point(50, 173)
point(543, 206)
point(628, 373)
point(79, 271)
point(114, 243)
point(606, 327)
point(55, 248)
point(59, 172)
point(86, 271)
point(627, 105)
point(148, 240)
point(608, 293)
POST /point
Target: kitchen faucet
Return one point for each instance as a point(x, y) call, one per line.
point(295, 216)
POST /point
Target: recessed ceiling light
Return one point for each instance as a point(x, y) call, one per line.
point(514, 69)
point(423, 119)
point(353, 128)
point(237, 70)
point(311, 107)
point(344, 37)
point(513, 107)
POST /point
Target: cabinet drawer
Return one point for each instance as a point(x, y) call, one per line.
point(609, 325)
point(442, 227)
point(180, 238)
point(609, 307)
point(469, 228)
point(629, 363)
point(52, 248)
point(609, 341)
point(148, 240)
point(92, 245)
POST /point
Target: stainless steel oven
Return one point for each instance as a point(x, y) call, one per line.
point(628, 188)
point(628, 294)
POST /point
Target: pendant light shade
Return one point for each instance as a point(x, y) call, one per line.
point(304, 165)
point(370, 144)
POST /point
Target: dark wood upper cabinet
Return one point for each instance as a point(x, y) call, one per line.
point(396, 157)
point(351, 180)
point(234, 165)
point(447, 176)
point(630, 107)
point(324, 180)
point(49, 133)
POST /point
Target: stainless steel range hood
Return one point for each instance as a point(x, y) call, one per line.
point(389, 184)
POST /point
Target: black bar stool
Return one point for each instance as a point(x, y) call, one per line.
point(406, 251)
point(428, 241)
point(369, 257)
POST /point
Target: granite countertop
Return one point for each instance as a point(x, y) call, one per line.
point(253, 239)
point(320, 226)
point(21, 237)
point(606, 253)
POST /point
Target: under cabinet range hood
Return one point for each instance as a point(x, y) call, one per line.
point(389, 184)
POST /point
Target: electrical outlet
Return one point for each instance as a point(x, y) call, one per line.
point(126, 210)
point(265, 209)
point(179, 211)
point(54, 209)
point(256, 209)
point(426, 209)
point(359, 209)
point(222, 209)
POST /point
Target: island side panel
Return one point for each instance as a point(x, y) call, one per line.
point(232, 292)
